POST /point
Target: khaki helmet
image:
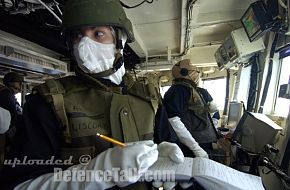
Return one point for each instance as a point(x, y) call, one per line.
point(79, 13)
point(183, 69)
point(12, 77)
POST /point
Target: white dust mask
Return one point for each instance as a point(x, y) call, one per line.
point(95, 57)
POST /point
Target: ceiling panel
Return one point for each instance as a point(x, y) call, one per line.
point(156, 12)
point(158, 25)
point(157, 37)
point(208, 6)
point(213, 33)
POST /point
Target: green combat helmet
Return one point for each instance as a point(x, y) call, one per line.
point(79, 13)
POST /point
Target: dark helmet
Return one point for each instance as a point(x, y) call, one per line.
point(79, 13)
point(12, 77)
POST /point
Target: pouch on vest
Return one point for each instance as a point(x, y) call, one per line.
point(132, 118)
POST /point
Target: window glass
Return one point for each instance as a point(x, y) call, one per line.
point(217, 89)
point(272, 89)
point(282, 104)
point(243, 85)
point(18, 97)
point(163, 89)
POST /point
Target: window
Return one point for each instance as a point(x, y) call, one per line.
point(282, 104)
point(242, 85)
point(18, 97)
point(272, 89)
point(217, 89)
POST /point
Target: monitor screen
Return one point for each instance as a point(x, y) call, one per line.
point(254, 131)
point(256, 20)
point(235, 114)
point(250, 23)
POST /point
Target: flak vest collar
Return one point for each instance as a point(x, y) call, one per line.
point(102, 84)
point(186, 81)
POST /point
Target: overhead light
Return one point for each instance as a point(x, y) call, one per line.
point(205, 64)
point(212, 26)
point(148, 70)
point(210, 71)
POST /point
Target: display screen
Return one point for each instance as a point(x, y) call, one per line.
point(235, 113)
point(254, 131)
point(250, 23)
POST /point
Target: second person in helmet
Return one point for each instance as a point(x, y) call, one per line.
point(188, 108)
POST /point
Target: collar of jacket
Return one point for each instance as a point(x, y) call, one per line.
point(188, 81)
point(102, 84)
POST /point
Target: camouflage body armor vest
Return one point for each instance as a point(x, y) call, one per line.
point(85, 107)
point(196, 117)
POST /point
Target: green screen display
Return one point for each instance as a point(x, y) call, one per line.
point(250, 22)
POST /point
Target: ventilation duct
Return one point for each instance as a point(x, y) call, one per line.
point(20, 53)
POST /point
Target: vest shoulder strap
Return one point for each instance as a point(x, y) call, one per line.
point(182, 83)
point(146, 92)
point(196, 103)
point(52, 91)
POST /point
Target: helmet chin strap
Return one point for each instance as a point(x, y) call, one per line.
point(118, 62)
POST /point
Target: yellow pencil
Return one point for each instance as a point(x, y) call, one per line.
point(111, 140)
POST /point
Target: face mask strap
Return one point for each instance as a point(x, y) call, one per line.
point(119, 45)
point(118, 62)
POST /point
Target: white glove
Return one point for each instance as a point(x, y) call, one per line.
point(213, 107)
point(171, 150)
point(215, 122)
point(186, 138)
point(5, 120)
point(175, 154)
point(140, 155)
